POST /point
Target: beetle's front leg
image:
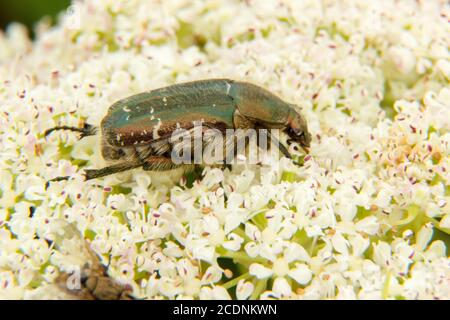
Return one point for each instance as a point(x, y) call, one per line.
point(279, 145)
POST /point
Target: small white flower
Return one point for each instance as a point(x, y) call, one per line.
point(368, 225)
point(423, 237)
point(234, 243)
point(382, 253)
point(354, 220)
point(244, 289)
point(340, 244)
point(281, 287)
point(260, 271)
point(215, 293)
point(232, 221)
point(445, 222)
point(346, 293)
point(301, 273)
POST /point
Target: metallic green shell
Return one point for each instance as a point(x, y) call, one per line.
point(144, 117)
point(147, 116)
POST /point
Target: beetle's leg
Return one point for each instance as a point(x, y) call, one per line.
point(106, 171)
point(97, 173)
point(47, 184)
point(159, 163)
point(241, 121)
point(87, 130)
point(279, 145)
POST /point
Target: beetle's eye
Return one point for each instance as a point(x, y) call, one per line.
point(297, 132)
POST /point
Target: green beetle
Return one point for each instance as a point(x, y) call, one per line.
point(137, 130)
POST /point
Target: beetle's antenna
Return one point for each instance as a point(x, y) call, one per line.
point(87, 130)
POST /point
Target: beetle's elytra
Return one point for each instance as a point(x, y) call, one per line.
point(137, 130)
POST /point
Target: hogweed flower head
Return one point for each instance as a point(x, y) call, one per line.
point(365, 216)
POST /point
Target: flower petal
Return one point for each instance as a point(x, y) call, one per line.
point(301, 274)
point(260, 271)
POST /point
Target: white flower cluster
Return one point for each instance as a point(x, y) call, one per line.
point(367, 215)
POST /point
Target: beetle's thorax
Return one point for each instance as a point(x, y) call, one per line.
point(259, 105)
point(297, 128)
point(295, 120)
point(292, 116)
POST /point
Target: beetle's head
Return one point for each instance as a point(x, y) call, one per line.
point(297, 130)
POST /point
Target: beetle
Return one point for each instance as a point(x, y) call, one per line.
point(137, 130)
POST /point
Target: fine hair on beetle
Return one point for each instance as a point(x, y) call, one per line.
point(207, 122)
point(211, 147)
point(201, 145)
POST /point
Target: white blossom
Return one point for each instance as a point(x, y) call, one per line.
point(362, 216)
